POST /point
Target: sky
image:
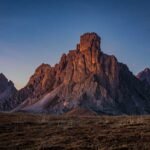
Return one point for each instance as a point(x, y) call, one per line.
point(40, 31)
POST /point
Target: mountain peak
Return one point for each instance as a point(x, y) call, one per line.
point(85, 78)
point(7, 89)
point(144, 75)
point(2, 77)
point(147, 70)
point(89, 41)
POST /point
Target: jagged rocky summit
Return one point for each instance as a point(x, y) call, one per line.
point(7, 90)
point(85, 79)
point(144, 75)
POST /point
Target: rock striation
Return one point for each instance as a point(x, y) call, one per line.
point(85, 78)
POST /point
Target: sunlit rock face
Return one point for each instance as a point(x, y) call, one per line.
point(89, 41)
point(85, 78)
point(7, 90)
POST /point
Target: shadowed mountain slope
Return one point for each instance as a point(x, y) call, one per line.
point(7, 90)
point(144, 75)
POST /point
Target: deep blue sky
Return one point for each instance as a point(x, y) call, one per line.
point(37, 31)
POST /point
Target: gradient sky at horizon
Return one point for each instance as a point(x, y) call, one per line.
point(39, 31)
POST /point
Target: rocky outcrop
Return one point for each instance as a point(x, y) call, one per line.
point(89, 41)
point(7, 90)
point(85, 78)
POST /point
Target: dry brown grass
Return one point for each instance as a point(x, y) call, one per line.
point(37, 132)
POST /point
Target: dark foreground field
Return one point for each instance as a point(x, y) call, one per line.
point(22, 131)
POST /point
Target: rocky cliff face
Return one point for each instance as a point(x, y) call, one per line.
point(7, 90)
point(85, 78)
point(144, 75)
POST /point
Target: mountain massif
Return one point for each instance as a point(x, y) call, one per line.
point(85, 80)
